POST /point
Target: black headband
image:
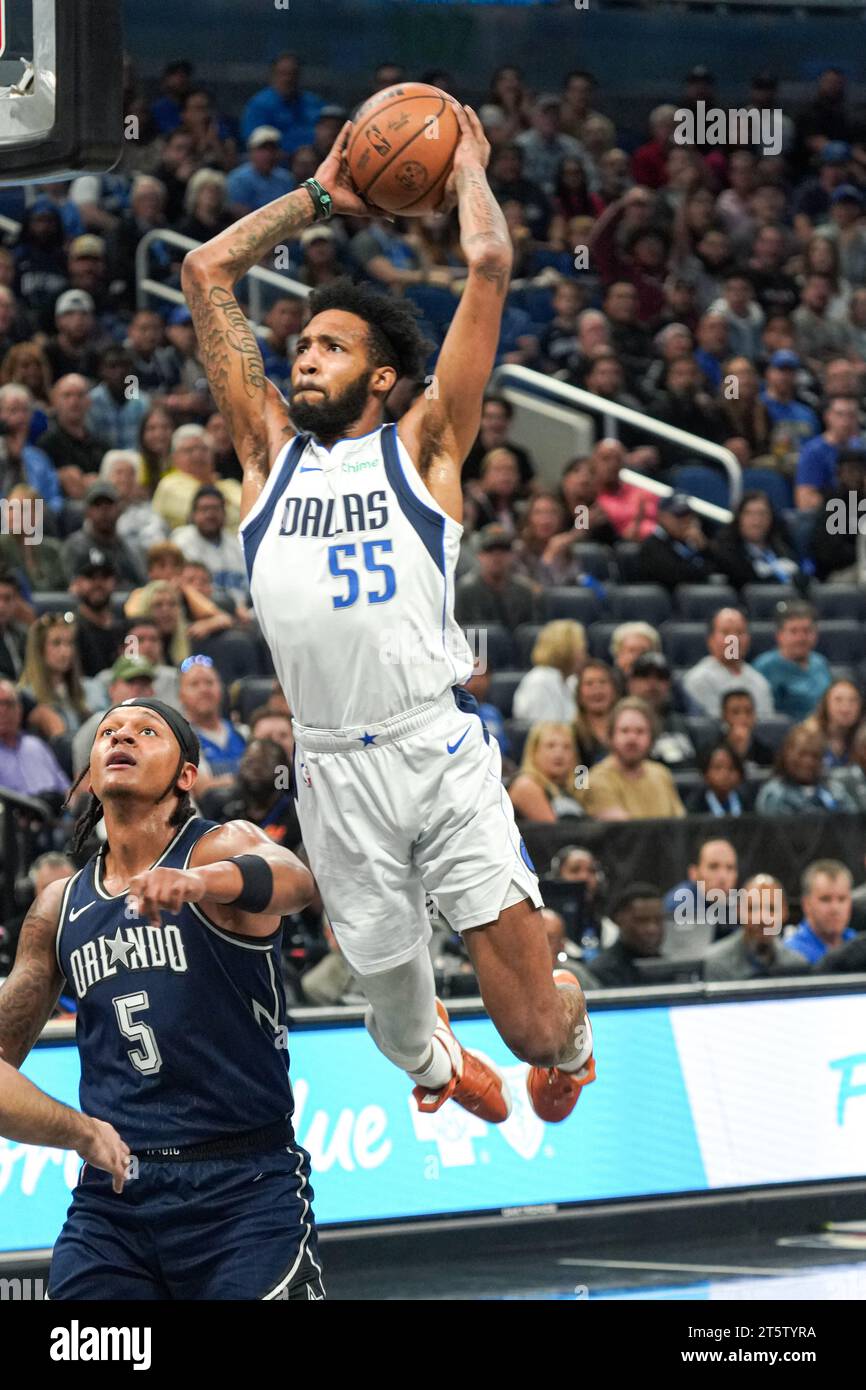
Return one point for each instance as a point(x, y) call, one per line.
point(186, 738)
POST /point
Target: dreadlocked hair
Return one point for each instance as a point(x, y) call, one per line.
point(94, 811)
point(393, 330)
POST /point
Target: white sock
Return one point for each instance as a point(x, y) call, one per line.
point(443, 1064)
point(582, 1049)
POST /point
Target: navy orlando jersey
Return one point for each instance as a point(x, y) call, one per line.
point(182, 1028)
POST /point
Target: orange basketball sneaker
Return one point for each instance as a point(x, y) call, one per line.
point(476, 1083)
point(553, 1094)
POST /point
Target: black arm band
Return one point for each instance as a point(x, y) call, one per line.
point(258, 877)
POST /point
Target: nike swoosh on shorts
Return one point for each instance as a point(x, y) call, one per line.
point(452, 748)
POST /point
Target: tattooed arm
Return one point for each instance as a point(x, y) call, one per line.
point(28, 997)
point(441, 426)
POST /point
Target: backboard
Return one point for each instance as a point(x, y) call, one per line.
point(61, 88)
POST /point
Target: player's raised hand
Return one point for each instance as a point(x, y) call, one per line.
point(159, 890)
point(333, 174)
point(103, 1147)
point(472, 152)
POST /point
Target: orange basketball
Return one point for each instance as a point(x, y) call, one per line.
point(402, 147)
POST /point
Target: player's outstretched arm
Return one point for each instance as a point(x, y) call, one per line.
point(29, 1116)
point(443, 423)
point(28, 997)
point(249, 898)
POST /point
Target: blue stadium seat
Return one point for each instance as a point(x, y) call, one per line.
point(801, 526)
point(839, 600)
point(760, 600)
point(437, 305)
point(703, 730)
point(700, 480)
point(517, 729)
point(524, 640)
point(625, 555)
point(841, 639)
point(599, 640)
point(569, 602)
point(54, 602)
point(249, 693)
point(500, 645)
point(697, 602)
point(595, 560)
point(776, 486)
point(646, 603)
point(684, 644)
point(763, 638)
point(772, 731)
point(501, 691)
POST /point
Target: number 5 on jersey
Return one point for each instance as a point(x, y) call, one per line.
point(338, 558)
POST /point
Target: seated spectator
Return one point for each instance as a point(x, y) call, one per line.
point(597, 693)
point(13, 634)
point(493, 595)
point(259, 792)
point(547, 550)
point(206, 540)
point(212, 140)
point(605, 377)
point(497, 490)
point(320, 257)
point(75, 452)
point(270, 724)
point(190, 401)
point(739, 718)
point(284, 103)
point(837, 718)
point(544, 790)
point(676, 551)
point(222, 745)
point(40, 263)
point(99, 532)
point(798, 675)
point(39, 568)
point(671, 344)
point(579, 488)
point(544, 146)
point(626, 785)
point(98, 633)
point(497, 415)
point(576, 864)
point(388, 256)
point(650, 680)
point(637, 911)
point(753, 548)
point(834, 539)
point(560, 956)
point(547, 692)
point(509, 184)
point(161, 602)
point(845, 233)
point(629, 338)
point(851, 777)
point(649, 161)
point(143, 642)
point(631, 510)
point(724, 792)
point(800, 785)
point(27, 764)
point(226, 461)
point(819, 457)
point(558, 342)
point(792, 421)
point(52, 676)
point(639, 256)
point(165, 562)
point(46, 869)
point(278, 337)
point(21, 462)
point(138, 525)
point(818, 335)
point(714, 871)
point(825, 899)
point(154, 446)
point(113, 415)
point(629, 641)
point(755, 951)
point(27, 365)
point(131, 678)
point(193, 468)
point(745, 415)
point(744, 315)
point(153, 362)
point(726, 668)
point(686, 404)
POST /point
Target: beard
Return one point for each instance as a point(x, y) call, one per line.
point(329, 417)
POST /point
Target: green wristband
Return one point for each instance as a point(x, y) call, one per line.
point(322, 200)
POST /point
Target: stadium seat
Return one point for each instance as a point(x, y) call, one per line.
point(118, 602)
point(847, 673)
point(625, 555)
point(763, 638)
point(517, 729)
point(697, 602)
point(62, 746)
point(501, 691)
point(839, 600)
point(801, 527)
point(684, 644)
point(700, 480)
point(436, 304)
point(249, 693)
point(760, 600)
point(524, 640)
point(594, 559)
point(54, 602)
point(582, 605)
point(599, 640)
point(772, 731)
point(646, 603)
point(500, 645)
point(775, 486)
point(841, 639)
point(686, 780)
point(703, 730)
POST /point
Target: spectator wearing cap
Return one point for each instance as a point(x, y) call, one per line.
point(826, 902)
point(493, 595)
point(797, 674)
point(138, 525)
point(98, 633)
point(27, 764)
point(793, 422)
point(651, 679)
point(114, 413)
point(192, 457)
point(131, 678)
point(544, 147)
point(261, 178)
point(73, 449)
point(811, 201)
point(175, 82)
point(201, 698)
point(725, 667)
point(285, 105)
point(77, 343)
point(627, 785)
point(190, 401)
point(834, 544)
point(40, 263)
point(800, 784)
point(819, 457)
point(754, 547)
point(845, 229)
point(819, 336)
point(637, 912)
point(631, 510)
point(88, 272)
point(278, 337)
point(13, 634)
point(320, 264)
point(206, 541)
point(153, 364)
point(52, 678)
point(99, 532)
point(755, 950)
point(547, 691)
point(21, 462)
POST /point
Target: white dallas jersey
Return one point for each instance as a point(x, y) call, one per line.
point(351, 565)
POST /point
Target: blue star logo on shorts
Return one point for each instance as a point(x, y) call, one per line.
point(368, 739)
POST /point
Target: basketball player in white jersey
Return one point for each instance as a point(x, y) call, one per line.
point(351, 532)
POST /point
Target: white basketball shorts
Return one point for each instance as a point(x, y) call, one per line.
point(400, 810)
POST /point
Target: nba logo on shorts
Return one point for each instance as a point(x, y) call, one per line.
point(305, 775)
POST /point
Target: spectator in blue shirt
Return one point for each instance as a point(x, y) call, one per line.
point(792, 421)
point(277, 339)
point(117, 405)
point(258, 182)
point(825, 891)
point(176, 82)
point(798, 675)
point(201, 698)
point(285, 105)
point(20, 461)
point(816, 470)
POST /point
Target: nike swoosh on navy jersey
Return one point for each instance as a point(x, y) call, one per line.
point(452, 748)
point(76, 912)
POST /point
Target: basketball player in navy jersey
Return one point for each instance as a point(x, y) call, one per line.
point(351, 532)
point(169, 938)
